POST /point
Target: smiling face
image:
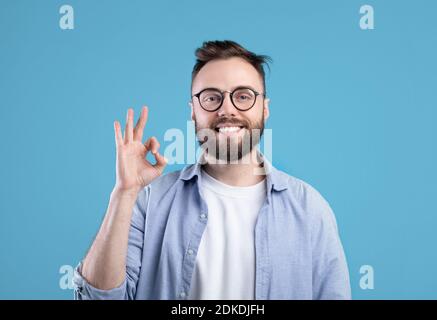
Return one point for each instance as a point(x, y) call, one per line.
point(232, 133)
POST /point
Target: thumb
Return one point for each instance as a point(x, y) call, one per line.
point(161, 161)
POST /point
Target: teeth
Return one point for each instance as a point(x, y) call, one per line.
point(229, 129)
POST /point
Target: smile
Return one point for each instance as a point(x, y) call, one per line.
point(228, 129)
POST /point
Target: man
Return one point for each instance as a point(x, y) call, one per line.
point(221, 228)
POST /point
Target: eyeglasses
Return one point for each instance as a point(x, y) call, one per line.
point(211, 99)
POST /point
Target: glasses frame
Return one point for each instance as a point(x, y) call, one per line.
point(231, 94)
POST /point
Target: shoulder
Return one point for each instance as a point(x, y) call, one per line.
point(301, 190)
point(165, 183)
point(159, 191)
point(307, 197)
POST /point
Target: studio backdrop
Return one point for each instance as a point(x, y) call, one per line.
point(353, 109)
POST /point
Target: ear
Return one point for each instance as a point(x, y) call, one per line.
point(192, 110)
point(266, 109)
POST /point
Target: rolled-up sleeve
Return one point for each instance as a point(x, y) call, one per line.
point(83, 290)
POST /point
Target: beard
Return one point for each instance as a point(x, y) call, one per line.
point(230, 148)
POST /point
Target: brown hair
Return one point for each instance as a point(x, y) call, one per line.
point(212, 50)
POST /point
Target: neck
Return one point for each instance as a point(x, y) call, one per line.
point(242, 174)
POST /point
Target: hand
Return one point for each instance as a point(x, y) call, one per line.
point(133, 170)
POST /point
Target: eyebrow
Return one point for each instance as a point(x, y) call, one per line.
point(233, 88)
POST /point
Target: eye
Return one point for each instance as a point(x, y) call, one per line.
point(211, 97)
point(244, 95)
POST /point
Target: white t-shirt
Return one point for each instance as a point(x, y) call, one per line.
point(225, 262)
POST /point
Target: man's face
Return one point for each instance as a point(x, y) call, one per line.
point(230, 144)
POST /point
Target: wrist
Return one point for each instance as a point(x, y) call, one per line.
point(125, 193)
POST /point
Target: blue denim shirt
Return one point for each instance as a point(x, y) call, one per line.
point(298, 250)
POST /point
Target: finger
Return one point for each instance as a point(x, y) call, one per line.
point(161, 162)
point(139, 128)
point(118, 134)
point(128, 133)
point(152, 145)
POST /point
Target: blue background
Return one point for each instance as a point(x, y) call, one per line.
point(353, 113)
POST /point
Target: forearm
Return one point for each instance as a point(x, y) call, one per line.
point(104, 267)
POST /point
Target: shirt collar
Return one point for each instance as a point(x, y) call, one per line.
point(276, 179)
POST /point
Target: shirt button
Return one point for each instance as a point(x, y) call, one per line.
point(202, 216)
point(190, 252)
point(182, 294)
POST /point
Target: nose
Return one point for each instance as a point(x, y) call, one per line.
point(227, 108)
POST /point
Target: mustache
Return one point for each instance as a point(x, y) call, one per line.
point(231, 121)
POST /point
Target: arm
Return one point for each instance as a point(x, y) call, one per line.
point(127, 287)
point(104, 266)
point(104, 269)
point(330, 270)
